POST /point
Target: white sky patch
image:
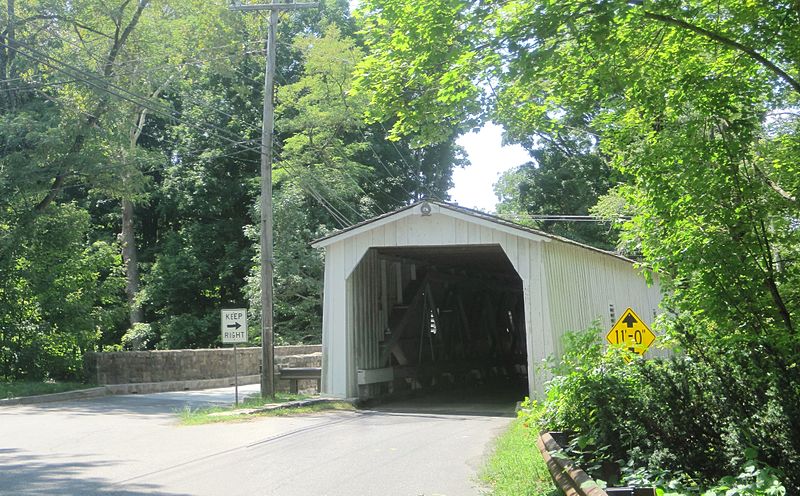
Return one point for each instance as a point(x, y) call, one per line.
point(474, 185)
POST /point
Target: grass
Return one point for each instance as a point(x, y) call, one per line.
point(30, 388)
point(214, 415)
point(256, 401)
point(516, 467)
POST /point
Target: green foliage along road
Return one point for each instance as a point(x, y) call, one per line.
point(669, 423)
point(129, 172)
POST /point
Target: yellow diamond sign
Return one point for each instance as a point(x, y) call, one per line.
point(631, 332)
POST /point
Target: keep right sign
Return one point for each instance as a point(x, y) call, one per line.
point(631, 332)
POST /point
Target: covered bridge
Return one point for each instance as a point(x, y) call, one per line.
point(435, 294)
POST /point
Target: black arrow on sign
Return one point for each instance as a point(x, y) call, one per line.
point(630, 320)
point(238, 325)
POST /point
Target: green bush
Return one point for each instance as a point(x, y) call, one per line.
point(140, 337)
point(755, 479)
point(59, 294)
point(681, 422)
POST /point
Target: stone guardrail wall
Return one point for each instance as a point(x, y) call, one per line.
point(131, 367)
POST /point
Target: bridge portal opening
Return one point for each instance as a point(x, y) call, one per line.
point(438, 318)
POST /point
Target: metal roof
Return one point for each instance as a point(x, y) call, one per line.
point(472, 215)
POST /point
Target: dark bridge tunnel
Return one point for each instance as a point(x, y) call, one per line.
point(451, 317)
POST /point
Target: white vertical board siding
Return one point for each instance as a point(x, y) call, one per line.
point(366, 321)
point(582, 283)
point(566, 287)
point(462, 232)
point(334, 323)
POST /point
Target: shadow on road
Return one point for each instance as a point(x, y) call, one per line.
point(134, 405)
point(27, 474)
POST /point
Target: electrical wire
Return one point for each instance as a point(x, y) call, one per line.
point(183, 63)
point(369, 143)
point(563, 218)
point(318, 196)
point(124, 94)
point(286, 165)
point(130, 96)
point(340, 218)
point(166, 164)
point(204, 105)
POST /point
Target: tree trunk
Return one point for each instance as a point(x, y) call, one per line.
point(108, 71)
point(130, 258)
point(7, 55)
point(128, 235)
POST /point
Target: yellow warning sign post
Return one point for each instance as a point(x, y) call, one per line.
point(631, 332)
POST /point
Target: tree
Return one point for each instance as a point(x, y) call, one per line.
point(328, 157)
point(57, 295)
point(51, 144)
point(145, 117)
point(85, 121)
point(555, 183)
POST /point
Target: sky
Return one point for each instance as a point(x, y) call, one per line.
point(474, 185)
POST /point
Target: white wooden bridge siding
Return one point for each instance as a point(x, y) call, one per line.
point(586, 284)
point(566, 287)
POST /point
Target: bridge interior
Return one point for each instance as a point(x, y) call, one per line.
point(452, 320)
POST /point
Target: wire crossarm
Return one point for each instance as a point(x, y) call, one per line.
point(273, 6)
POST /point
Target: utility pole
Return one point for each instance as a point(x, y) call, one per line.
point(267, 261)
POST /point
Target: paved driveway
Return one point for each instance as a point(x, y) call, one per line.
point(133, 445)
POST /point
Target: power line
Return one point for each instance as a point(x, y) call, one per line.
point(300, 177)
point(204, 105)
point(335, 213)
point(386, 168)
point(564, 218)
point(104, 85)
point(184, 63)
point(400, 154)
point(342, 170)
point(125, 62)
point(143, 101)
point(369, 143)
point(315, 194)
point(38, 85)
point(3, 81)
point(166, 164)
point(146, 102)
point(402, 157)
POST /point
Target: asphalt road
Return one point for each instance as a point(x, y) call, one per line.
point(133, 445)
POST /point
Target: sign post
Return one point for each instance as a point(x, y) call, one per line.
point(233, 324)
point(631, 332)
